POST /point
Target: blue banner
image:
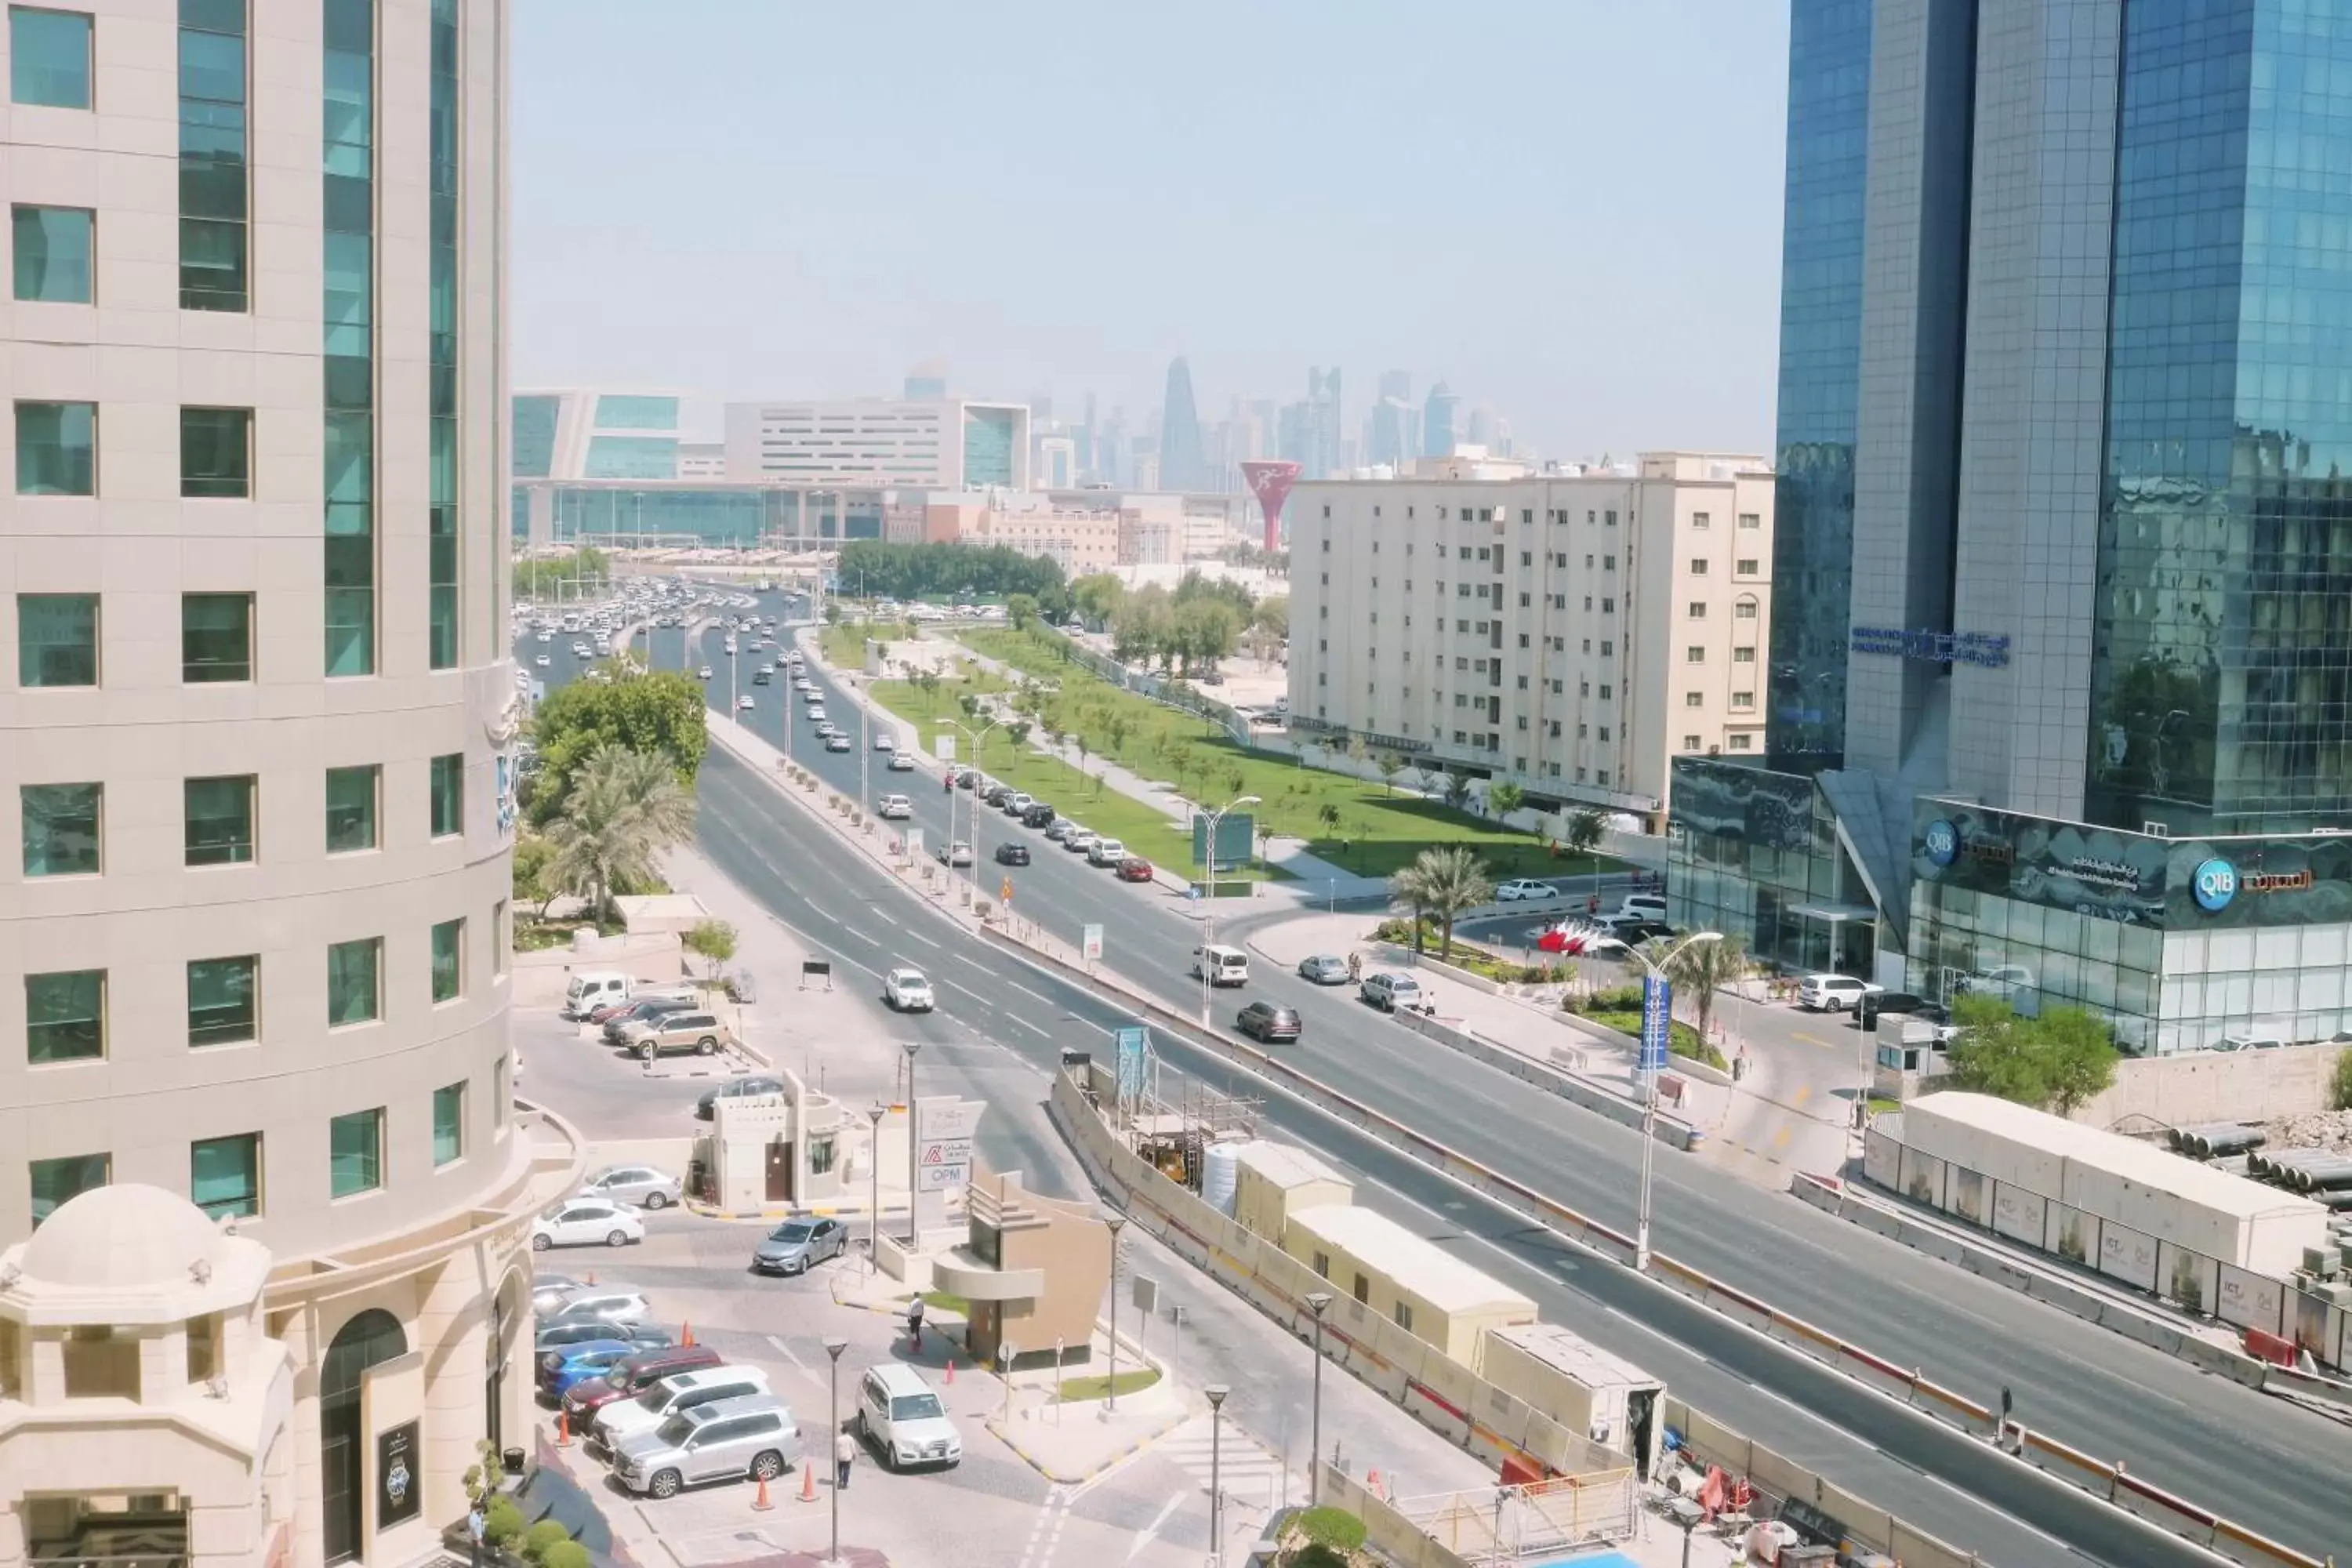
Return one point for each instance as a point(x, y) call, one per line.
point(1132, 1038)
point(1657, 1014)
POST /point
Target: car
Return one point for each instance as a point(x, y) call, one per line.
point(1871, 1008)
point(901, 1415)
point(555, 1336)
point(995, 794)
point(906, 991)
point(1524, 888)
point(1634, 930)
point(584, 1222)
point(1135, 868)
point(701, 1033)
point(639, 1186)
point(745, 701)
point(541, 661)
point(641, 1010)
point(606, 1012)
point(550, 1291)
point(814, 712)
point(1221, 965)
point(1059, 828)
point(1013, 852)
point(1833, 993)
point(1643, 906)
point(604, 1306)
point(704, 673)
point(1106, 852)
point(1078, 840)
point(1266, 1022)
point(1389, 992)
point(1323, 969)
point(825, 730)
point(2249, 1042)
point(953, 855)
point(895, 808)
point(631, 1376)
point(802, 683)
point(901, 762)
point(727, 1440)
point(624, 1418)
point(798, 1244)
point(886, 743)
point(737, 1088)
point(967, 779)
point(1016, 803)
point(836, 743)
point(559, 1370)
point(1038, 814)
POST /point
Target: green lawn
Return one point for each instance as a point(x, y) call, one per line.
point(1359, 826)
point(845, 644)
point(1095, 1386)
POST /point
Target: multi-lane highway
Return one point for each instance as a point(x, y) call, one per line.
point(2266, 1464)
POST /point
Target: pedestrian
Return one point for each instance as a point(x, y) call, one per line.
point(845, 1451)
point(476, 1527)
point(915, 1323)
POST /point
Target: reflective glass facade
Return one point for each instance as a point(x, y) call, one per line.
point(739, 516)
point(1821, 353)
point(1755, 852)
point(2221, 680)
point(988, 439)
point(631, 456)
point(441, 498)
point(350, 246)
point(214, 190)
point(534, 435)
point(625, 411)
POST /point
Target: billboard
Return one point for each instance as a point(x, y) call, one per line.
point(1236, 836)
point(1744, 803)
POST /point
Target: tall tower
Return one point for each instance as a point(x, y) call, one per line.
point(1179, 433)
point(1439, 415)
point(257, 713)
point(1270, 482)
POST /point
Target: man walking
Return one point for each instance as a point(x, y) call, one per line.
point(845, 1452)
point(476, 1527)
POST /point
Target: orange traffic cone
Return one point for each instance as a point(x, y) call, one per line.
point(950, 1371)
point(761, 1504)
point(563, 1428)
point(592, 1277)
point(686, 1333)
point(808, 1482)
point(1372, 1482)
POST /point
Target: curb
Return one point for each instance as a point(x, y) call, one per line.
point(1068, 1479)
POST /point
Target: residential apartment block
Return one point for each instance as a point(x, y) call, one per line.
point(1568, 632)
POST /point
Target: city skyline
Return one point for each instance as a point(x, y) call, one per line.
point(1487, 239)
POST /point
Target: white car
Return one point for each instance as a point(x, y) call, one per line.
point(836, 743)
point(903, 1418)
point(1833, 993)
point(895, 808)
point(541, 661)
point(1106, 852)
point(1525, 888)
point(1018, 801)
point(956, 854)
point(744, 700)
point(1078, 840)
point(815, 713)
point(906, 991)
point(704, 673)
point(886, 743)
point(585, 1222)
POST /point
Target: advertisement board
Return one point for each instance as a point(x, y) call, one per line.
point(399, 1489)
point(1657, 1019)
point(1751, 804)
point(1130, 1040)
point(1236, 836)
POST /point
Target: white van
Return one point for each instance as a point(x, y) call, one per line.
point(1644, 906)
point(593, 988)
point(1222, 965)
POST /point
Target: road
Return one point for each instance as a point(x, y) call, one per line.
point(2263, 1463)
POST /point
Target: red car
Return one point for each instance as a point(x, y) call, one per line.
point(608, 1010)
point(1135, 868)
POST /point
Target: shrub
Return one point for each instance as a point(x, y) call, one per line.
point(540, 1537)
point(565, 1555)
point(1335, 1528)
point(1315, 1554)
point(2339, 1090)
point(502, 1524)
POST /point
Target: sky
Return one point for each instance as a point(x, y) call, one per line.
point(1567, 209)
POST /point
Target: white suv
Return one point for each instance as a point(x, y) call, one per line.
point(906, 991)
point(1833, 993)
point(899, 1414)
point(895, 808)
point(1106, 852)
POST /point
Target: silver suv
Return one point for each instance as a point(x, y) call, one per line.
point(726, 1440)
point(700, 1033)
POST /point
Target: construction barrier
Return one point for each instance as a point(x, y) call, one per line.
point(2154, 1504)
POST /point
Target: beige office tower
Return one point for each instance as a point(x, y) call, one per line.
point(264, 1194)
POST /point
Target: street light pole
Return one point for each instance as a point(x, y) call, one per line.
point(1319, 1302)
point(1208, 916)
point(971, 813)
point(1650, 1082)
point(1216, 1393)
point(874, 1114)
point(832, 1349)
point(1117, 1223)
point(914, 1154)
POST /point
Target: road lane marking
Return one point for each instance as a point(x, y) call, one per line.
point(1040, 1001)
point(917, 936)
point(967, 990)
point(1033, 1028)
point(1145, 1536)
point(1810, 1039)
point(786, 1352)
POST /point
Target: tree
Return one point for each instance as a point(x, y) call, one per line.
point(1266, 848)
point(1079, 741)
point(713, 942)
point(1098, 596)
point(1327, 814)
point(660, 714)
point(2057, 1061)
point(1502, 799)
point(1118, 727)
point(1021, 609)
point(1448, 883)
point(622, 810)
point(1457, 790)
point(534, 857)
point(1584, 830)
point(1018, 732)
point(1697, 970)
point(1389, 764)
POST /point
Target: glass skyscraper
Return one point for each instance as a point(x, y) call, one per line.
point(2062, 661)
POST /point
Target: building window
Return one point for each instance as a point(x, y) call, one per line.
point(48, 57)
point(1604, 731)
point(1608, 648)
point(351, 808)
point(216, 452)
point(225, 1176)
point(354, 975)
point(1606, 691)
point(1601, 777)
point(448, 960)
point(57, 448)
point(213, 201)
point(502, 937)
point(448, 786)
point(219, 829)
point(1694, 699)
point(1743, 700)
point(1746, 567)
point(224, 1006)
point(51, 247)
point(215, 637)
point(62, 829)
point(1744, 611)
point(69, 1176)
point(441, 342)
point(1690, 743)
point(1404, 1317)
point(1743, 656)
point(449, 1123)
point(64, 1016)
point(1739, 742)
point(356, 1154)
point(1697, 610)
point(348, 212)
point(501, 1089)
point(56, 639)
point(1698, 520)
point(1694, 654)
point(1751, 520)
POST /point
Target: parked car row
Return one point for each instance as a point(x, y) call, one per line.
point(1031, 812)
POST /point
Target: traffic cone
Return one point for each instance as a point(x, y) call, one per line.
point(591, 1277)
point(808, 1481)
point(686, 1334)
point(563, 1428)
point(761, 1504)
point(950, 1371)
point(1372, 1482)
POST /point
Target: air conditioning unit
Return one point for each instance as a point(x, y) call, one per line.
point(2322, 1262)
point(2156, 829)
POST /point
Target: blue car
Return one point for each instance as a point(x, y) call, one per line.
point(559, 1369)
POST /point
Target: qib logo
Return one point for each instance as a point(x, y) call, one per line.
point(1943, 842)
point(2215, 884)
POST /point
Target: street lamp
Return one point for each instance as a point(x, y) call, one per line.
point(1318, 1302)
point(914, 1240)
point(832, 1349)
point(1117, 1222)
point(874, 1114)
point(1209, 916)
point(1657, 969)
point(972, 812)
point(1216, 1393)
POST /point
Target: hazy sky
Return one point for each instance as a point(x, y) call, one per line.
point(1569, 209)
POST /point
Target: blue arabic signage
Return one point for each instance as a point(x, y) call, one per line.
point(1932, 646)
point(1657, 1021)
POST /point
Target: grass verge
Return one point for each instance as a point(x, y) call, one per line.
point(1095, 1386)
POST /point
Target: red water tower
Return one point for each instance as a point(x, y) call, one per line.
point(1270, 482)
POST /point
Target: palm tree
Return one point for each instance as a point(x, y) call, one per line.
point(626, 807)
point(1448, 883)
point(1698, 969)
point(1457, 790)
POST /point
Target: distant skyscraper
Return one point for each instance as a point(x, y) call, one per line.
point(1392, 432)
point(1482, 427)
point(928, 379)
point(1397, 383)
point(1332, 448)
point(1181, 468)
point(1438, 426)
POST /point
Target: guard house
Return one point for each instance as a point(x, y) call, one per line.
point(1033, 1269)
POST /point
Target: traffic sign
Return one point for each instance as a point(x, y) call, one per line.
point(943, 746)
point(1005, 890)
point(1091, 943)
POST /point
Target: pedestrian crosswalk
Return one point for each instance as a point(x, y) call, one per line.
point(1250, 1473)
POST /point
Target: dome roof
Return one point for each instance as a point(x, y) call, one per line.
point(122, 1238)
